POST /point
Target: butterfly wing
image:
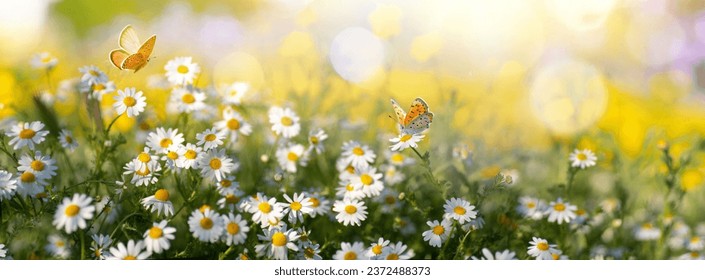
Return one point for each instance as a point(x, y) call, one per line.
point(418, 108)
point(419, 124)
point(148, 46)
point(399, 112)
point(134, 62)
point(117, 57)
point(128, 40)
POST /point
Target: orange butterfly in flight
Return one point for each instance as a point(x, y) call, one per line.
point(132, 55)
point(417, 120)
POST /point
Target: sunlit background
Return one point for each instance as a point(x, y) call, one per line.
point(524, 72)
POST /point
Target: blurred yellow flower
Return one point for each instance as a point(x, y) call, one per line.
point(425, 46)
point(691, 179)
point(385, 20)
point(297, 44)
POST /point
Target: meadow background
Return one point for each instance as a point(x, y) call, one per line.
point(515, 88)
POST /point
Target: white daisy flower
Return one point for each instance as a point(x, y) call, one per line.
point(232, 94)
point(43, 60)
point(26, 134)
point(368, 180)
point(406, 141)
point(582, 159)
point(360, 156)
point(133, 251)
point(265, 210)
point(230, 192)
point(346, 169)
point(392, 175)
point(297, 207)
point(8, 185)
point(397, 252)
point(215, 165)
point(210, 139)
point(347, 190)
point(207, 226)
point(188, 99)
point(92, 75)
point(647, 232)
point(156, 239)
point(171, 157)
point(188, 156)
point(291, 156)
point(560, 212)
point(315, 140)
point(319, 205)
point(375, 252)
point(145, 176)
point(145, 159)
point(309, 251)
point(3, 251)
point(541, 249)
point(97, 89)
point(474, 225)
point(355, 251)
point(398, 159)
point(159, 202)
point(29, 184)
point(438, 233)
point(108, 208)
point(233, 124)
point(100, 246)
point(67, 141)
point(277, 243)
point(162, 139)
point(530, 207)
point(691, 256)
point(460, 210)
point(129, 101)
point(181, 70)
point(284, 122)
point(72, 213)
point(503, 255)
point(350, 212)
point(389, 200)
point(58, 246)
point(695, 243)
point(236, 229)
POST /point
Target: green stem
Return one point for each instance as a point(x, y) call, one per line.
point(107, 130)
point(461, 247)
point(226, 253)
point(83, 245)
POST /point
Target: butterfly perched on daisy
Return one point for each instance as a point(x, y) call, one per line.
point(132, 55)
point(417, 120)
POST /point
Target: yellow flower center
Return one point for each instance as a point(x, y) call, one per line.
point(144, 157)
point(226, 183)
point(46, 59)
point(165, 143)
point(694, 254)
point(190, 154)
point(129, 258)
point(203, 208)
point(144, 172)
point(93, 73)
point(580, 212)
point(233, 228)
point(188, 98)
point(231, 199)
point(350, 169)
point(405, 138)
point(392, 257)
point(155, 232)
point(161, 195)
point(292, 156)
point(27, 133)
point(72, 210)
point(264, 207)
point(98, 87)
point(172, 155)
point(349, 188)
point(397, 157)
point(459, 210)
point(309, 253)
point(377, 249)
point(182, 69)
point(314, 140)
point(367, 179)
point(350, 256)
point(581, 156)
point(233, 124)
point(559, 207)
point(543, 246)
point(531, 205)
point(68, 139)
point(210, 137)
point(286, 121)
point(555, 256)
point(206, 223)
point(695, 239)
point(350, 209)
point(37, 165)
point(27, 177)
point(438, 230)
point(295, 206)
point(129, 101)
point(315, 202)
point(278, 239)
point(647, 226)
point(215, 164)
point(59, 243)
point(358, 151)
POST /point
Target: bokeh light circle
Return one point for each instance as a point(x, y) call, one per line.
point(582, 15)
point(655, 40)
point(356, 54)
point(568, 96)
